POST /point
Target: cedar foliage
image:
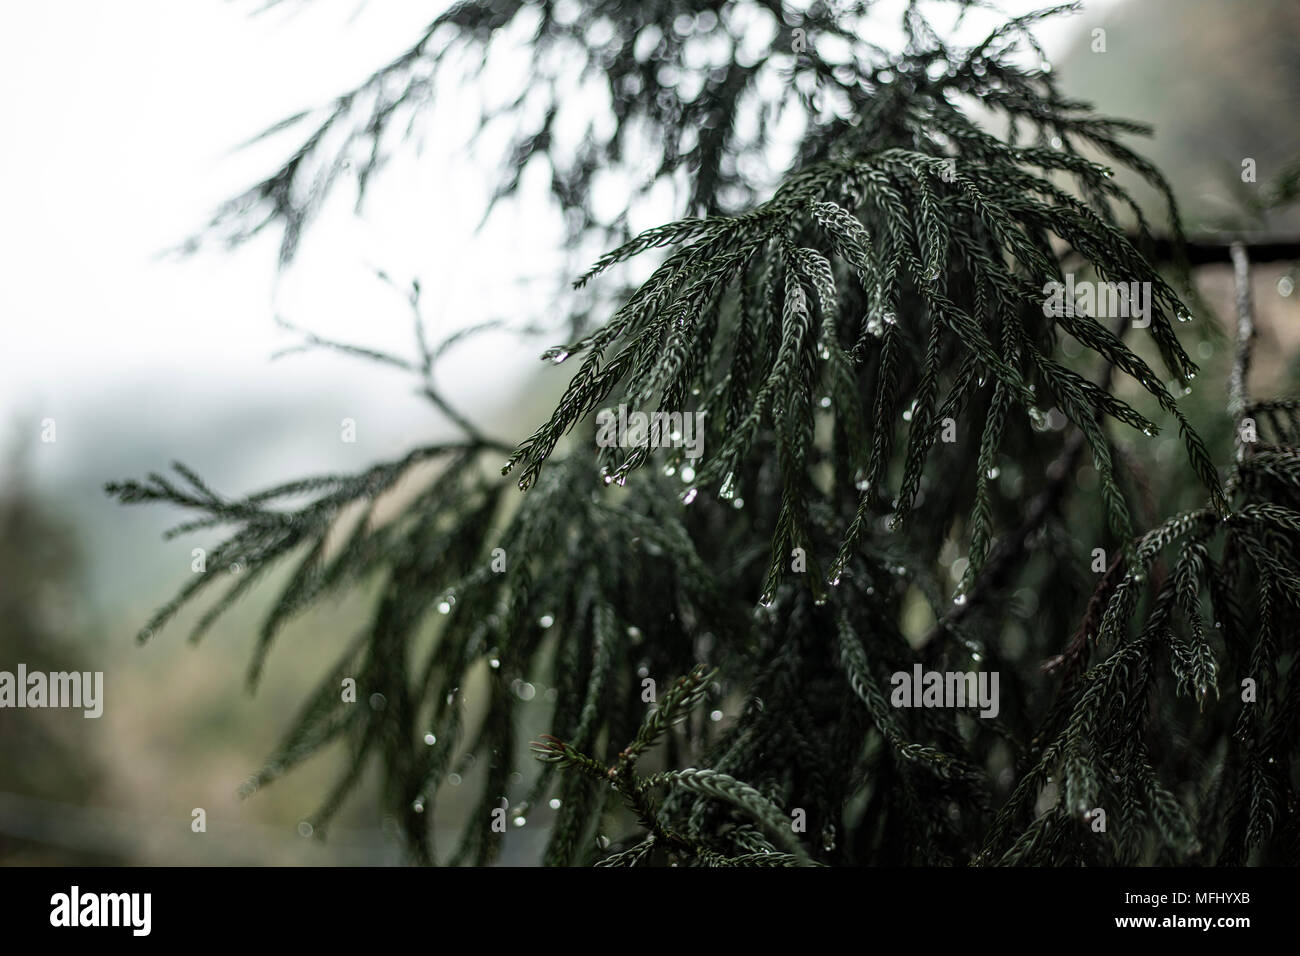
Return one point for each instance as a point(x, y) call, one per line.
point(892, 285)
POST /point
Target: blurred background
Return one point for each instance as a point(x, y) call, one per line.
point(123, 125)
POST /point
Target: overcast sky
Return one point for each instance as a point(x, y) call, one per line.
point(121, 122)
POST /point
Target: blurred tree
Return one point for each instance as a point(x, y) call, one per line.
point(911, 462)
point(42, 757)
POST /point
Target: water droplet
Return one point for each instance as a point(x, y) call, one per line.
point(688, 474)
point(1045, 67)
point(825, 402)
point(418, 804)
point(715, 716)
point(377, 701)
point(1183, 315)
point(634, 634)
point(525, 690)
point(559, 357)
point(545, 621)
point(494, 663)
point(890, 318)
point(766, 599)
point(1285, 287)
point(689, 495)
point(602, 842)
point(728, 489)
point(444, 607)
point(669, 470)
point(993, 473)
point(738, 503)
point(305, 829)
point(824, 352)
point(555, 803)
point(453, 779)
point(520, 821)
point(959, 599)
point(430, 739)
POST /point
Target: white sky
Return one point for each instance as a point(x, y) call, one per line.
point(120, 122)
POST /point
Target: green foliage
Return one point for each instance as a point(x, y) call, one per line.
point(890, 289)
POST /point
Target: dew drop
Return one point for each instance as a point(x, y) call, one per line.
point(688, 474)
point(418, 805)
point(993, 472)
point(715, 716)
point(444, 607)
point(555, 803)
point(545, 621)
point(430, 740)
point(494, 663)
point(689, 495)
point(559, 358)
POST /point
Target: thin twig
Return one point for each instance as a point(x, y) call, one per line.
point(1238, 399)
